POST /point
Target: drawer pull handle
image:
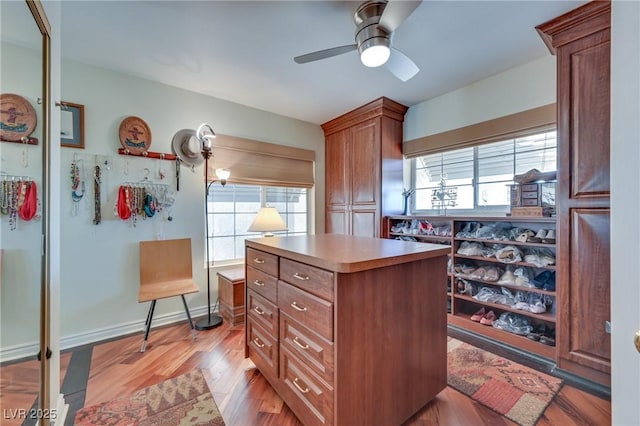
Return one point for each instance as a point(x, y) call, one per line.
point(295, 383)
point(257, 342)
point(258, 283)
point(297, 307)
point(300, 345)
point(258, 260)
point(258, 310)
point(301, 277)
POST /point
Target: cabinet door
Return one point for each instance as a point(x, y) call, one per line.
point(336, 163)
point(336, 193)
point(365, 222)
point(364, 163)
point(586, 90)
point(584, 340)
point(584, 346)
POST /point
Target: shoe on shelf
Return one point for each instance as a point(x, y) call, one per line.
point(523, 237)
point(542, 278)
point(478, 274)
point(542, 233)
point(549, 337)
point(550, 238)
point(488, 318)
point(537, 332)
point(508, 277)
point(467, 268)
point(478, 315)
point(492, 274)
point(550, 285)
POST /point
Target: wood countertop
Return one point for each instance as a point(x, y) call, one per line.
point(345, 253)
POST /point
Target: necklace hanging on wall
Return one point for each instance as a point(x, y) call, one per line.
point(29, 206)
point(25, 153)
point(77, 186)
point(97, 216)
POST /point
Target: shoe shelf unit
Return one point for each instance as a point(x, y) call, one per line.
point(425, 229)
point(498, 265)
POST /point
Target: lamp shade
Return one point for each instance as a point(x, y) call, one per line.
point(267, 220)
point(223, 174)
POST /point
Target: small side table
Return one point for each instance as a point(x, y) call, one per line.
point(231, 294)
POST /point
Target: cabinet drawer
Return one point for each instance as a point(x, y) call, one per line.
point(264, 261)
point(263, 349)
point(263, 283)
point(309, 310)
point(314, 280)
point(316, 352)
point(263, 312)
point(309, 398)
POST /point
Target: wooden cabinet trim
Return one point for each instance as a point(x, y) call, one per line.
point(578, 23)
point(380, 107)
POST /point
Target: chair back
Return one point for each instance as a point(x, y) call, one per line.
point(165, 269)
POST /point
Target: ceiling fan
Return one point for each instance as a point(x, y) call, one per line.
point(375, 21)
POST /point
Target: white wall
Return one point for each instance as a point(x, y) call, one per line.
point(521, 88)
point(99, 264)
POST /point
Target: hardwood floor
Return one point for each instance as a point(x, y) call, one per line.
point(243, 396)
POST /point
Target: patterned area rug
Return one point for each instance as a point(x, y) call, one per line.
point(515, 391)
point(184, 400)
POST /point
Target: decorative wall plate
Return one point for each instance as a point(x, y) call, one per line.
point(17, 117)
point(135, 135)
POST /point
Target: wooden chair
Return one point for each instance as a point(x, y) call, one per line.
point(165, 271)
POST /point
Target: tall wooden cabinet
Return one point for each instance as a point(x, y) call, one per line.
point(363, 157)
point(581, 41)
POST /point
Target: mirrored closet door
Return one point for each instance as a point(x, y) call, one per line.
point(24, 295)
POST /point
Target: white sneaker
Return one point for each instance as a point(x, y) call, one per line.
point(542, 233)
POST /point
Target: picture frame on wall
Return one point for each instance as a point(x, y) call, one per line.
point(71, 125)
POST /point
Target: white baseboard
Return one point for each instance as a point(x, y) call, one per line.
point(26, 350)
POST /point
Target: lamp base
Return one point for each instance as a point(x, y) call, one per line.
point(209, 322)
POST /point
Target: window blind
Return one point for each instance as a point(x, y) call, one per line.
point(536, 120)
point(260, 163)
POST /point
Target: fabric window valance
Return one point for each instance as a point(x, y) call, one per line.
point(536, 120)
point(260, 163)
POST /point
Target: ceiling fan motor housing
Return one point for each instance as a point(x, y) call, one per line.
point(368, 32)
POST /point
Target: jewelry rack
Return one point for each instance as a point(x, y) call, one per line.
point(7, 177)
point(146, 185)
point(148, 154)
point(29, 140)
point(18, 198)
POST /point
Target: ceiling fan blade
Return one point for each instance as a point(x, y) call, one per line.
point(395, 12)
point(323, 54)
point(401, 66)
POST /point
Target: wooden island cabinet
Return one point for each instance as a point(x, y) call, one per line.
point(348, 330)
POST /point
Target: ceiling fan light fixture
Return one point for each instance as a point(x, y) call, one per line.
point(375, 52)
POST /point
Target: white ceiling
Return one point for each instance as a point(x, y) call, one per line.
point(242, 51)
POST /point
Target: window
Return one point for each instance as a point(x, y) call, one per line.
point(477, 178)
point(233, 207)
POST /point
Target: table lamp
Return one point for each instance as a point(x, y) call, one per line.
point(267, 221)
